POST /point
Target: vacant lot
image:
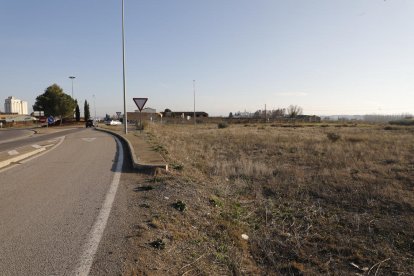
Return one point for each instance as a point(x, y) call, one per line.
point(273, 199)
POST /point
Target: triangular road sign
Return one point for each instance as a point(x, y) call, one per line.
point(140, 102)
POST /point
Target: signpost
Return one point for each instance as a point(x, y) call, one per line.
point(50, 120)
point(140, 102)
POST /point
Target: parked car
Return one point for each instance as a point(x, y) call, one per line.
point(89, 123)
point(113, 123)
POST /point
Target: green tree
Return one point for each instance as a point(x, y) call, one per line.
point(77, 112)
point(54, 102)
point(86, 111)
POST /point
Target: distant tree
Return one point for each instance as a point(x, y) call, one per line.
point(86, 111)
point(294, 110)
point(231, 115)
point(107, 117)
point(54, 102)
point(168, 112)
point(280, 112)
point(77, 112)
point(258, 114)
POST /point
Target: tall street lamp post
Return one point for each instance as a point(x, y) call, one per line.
point(123, 70)
point(72, 77)
point(94, 105)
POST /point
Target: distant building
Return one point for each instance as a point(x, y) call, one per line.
point(184, 114)
point(148, 110)
point(13, 105)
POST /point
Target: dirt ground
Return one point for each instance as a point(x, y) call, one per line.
point(275, 200)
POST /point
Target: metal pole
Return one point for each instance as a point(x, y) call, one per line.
point(72, 77)
point(140, 120)
point(194, 102)
point(94, 105)
point(73, 114)
point(123, 70)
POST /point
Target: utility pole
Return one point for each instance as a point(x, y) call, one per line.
point(194, 102)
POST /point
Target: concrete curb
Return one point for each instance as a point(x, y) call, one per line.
point(136, 162)
point(20, 157)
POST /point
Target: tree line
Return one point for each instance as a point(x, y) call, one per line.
point(292, 111)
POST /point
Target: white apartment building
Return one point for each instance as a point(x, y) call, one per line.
point(13, 105)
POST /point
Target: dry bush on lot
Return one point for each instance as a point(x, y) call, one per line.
point(309, 206)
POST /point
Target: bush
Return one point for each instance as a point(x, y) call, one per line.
point(333, 137)
point(222, 125)
point(141, 125)
point(180, 206)
point(404, 122)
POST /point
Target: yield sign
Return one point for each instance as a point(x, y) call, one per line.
point(140, 102)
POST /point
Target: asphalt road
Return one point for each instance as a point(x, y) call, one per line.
point(19, 138)
point(8, 135)
point(51, 206)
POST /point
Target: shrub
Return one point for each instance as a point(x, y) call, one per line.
point(222, 125)
point(354, 139)
point(177, 167)
point(333, 137)
point(158, 244)
point(141, 125)
point(404, 122)
point(180, 206)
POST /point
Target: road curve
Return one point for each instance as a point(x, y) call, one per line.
point(24, 140)
point(7, 135)
point(49, 205)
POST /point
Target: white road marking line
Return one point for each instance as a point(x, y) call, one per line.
point(88, 139)
point(95, 236)
point(60, 139)
point(13, 152)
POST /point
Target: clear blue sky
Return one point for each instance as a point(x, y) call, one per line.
point(328, 56)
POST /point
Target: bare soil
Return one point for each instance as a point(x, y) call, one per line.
point(275, 200)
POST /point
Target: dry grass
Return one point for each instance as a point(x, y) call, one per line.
point(309, 203)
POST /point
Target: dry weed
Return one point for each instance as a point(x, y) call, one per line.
point(309, 206)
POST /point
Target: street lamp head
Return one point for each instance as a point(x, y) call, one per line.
point(72, 77)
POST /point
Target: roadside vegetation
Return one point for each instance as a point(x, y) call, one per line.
point(281, 199)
